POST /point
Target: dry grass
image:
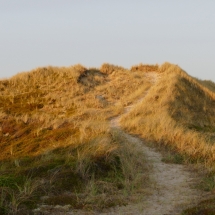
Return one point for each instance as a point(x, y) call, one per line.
point(144, 68)
point(208, 84)
point(44, 108)
point(54, 126)
point(178, 111)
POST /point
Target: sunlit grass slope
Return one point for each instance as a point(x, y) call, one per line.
point(178, 111)
point(51, 107)
point(57, 145)
point(56, 139)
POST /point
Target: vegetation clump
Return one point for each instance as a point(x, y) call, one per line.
point(144, 68)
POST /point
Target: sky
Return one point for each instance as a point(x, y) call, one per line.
point(38, 33)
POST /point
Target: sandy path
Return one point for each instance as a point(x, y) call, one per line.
point(172, 184)
point(171, 190)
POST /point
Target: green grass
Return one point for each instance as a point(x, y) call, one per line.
point(173, 158)
point(95, 173)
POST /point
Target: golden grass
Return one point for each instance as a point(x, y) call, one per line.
point(54, 124)
point(178, 111)
point(208, 84)
point(49, 105)
point(144, 68)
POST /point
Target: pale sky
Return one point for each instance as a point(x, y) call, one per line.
point(37, 33)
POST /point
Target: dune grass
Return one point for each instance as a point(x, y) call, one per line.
point(56, 140)
point(178, 115)
point(178, 112)
point(57, 144)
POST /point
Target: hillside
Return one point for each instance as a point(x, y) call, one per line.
point(47, 105)
point(55, 137)
point(179, 111)
point(57, 142)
